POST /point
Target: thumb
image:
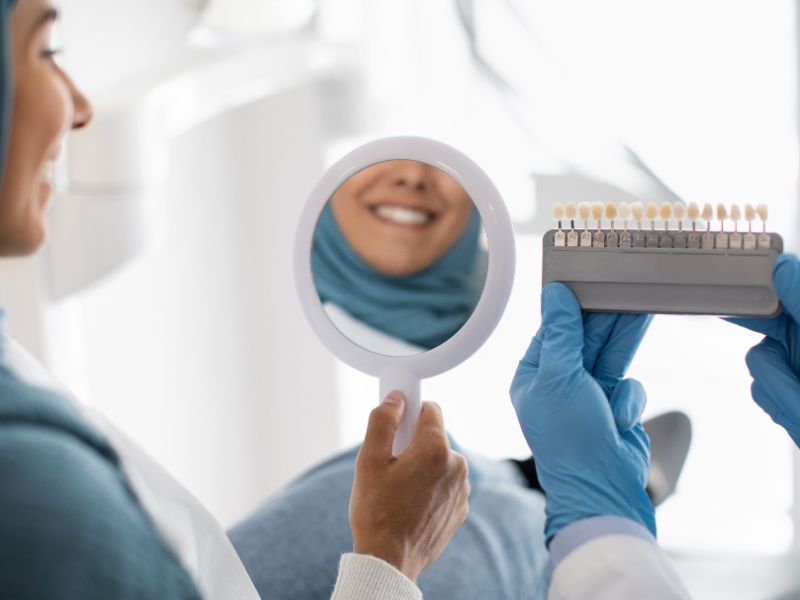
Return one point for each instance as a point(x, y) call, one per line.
point(627, 404)
point(562, 323)
point(383, 423)
point(787, 284)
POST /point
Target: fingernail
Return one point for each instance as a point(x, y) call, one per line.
point(393, 398)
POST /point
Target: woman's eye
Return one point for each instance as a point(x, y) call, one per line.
point(50, 53)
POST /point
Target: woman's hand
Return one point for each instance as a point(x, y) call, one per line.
point(404, 510)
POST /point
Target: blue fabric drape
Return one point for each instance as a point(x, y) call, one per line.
point(424, 309)
point(5, 83)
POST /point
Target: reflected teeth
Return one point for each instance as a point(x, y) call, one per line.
point(402, 216)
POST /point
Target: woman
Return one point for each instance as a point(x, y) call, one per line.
point(83, 512)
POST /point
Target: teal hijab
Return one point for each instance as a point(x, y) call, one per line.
point(424, 309)
point(5, 82)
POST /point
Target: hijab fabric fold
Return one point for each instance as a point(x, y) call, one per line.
point(5, 82)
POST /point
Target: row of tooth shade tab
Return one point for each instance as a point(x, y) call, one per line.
point(665, 225)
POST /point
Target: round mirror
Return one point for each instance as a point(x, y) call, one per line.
point(397, 258)
point(404, 262)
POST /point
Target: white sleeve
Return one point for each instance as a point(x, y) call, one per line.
point(601, 564)
point(363, 577)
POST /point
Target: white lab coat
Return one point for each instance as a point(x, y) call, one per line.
point(616, 567)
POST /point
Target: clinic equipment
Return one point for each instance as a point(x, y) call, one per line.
point(641, 258)
point(405, 372)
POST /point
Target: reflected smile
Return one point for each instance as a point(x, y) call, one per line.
point(402, 215)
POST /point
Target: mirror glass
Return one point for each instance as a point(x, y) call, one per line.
point(399, 257)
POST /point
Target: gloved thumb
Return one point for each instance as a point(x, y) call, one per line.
point(562, 323)
point(787, 284)
point(627, 404)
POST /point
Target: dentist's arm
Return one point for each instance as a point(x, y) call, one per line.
point(581, 419)
point(775, 362)
point(403, 510)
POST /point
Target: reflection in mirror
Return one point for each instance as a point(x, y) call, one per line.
point(398, 259)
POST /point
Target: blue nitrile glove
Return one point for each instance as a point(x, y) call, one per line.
point(775, 362)
point(580, 417)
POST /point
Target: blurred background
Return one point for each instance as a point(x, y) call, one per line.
point(165, 295)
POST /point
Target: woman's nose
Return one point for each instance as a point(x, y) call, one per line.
point(412, 174)
point(82, 108)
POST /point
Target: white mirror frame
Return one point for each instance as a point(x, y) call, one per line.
point(404, 373)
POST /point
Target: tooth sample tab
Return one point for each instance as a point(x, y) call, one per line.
point(721, 239)
point(764, 239)
point(560, 238)
point(612, 238)
point(735, 239)
point(625, 215)
point(571, 212)
point(750, 241)
point(637, 210)
point(598, 211)
point(707, 241)
point(585, 212)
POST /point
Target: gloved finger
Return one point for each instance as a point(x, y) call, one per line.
point(776, 386)
point(764, 398)
point(627, 404)
point(786, 277)
point(616, 356)
point(774, 327)
point(531, 358)
point(597, 328)
point(562, 345)
point(787, 283)
point(638, 441)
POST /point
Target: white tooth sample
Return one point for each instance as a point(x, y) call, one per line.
point(749, 213)
point(722, 212)
point(762, 212)
point(624, 211)
point(402, 215)
point(736, 213)
point(665, 212)
point(693, 211)
point(558, 211)
point(651, 211)
point(611, 211)
point(570, 210)
point(637, 210)
point(584, 210)
point(598, 210)
point(708, 212)
point(679, 210)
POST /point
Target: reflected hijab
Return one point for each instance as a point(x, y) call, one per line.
point(424, 309)
point(5, 81)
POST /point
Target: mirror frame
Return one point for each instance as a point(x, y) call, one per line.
point(500, 242)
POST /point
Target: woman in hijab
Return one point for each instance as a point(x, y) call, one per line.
point(398, 249)
point(86, 514)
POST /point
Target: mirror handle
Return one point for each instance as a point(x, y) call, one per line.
point(404, 381)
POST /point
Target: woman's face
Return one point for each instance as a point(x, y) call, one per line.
point(46, 105)
point(400, 216)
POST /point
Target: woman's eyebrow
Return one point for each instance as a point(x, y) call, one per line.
point(48, 16)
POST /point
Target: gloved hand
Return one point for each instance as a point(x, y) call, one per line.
point(580, 417)
point(775, 362)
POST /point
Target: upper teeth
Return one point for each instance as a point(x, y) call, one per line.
point(404, 216)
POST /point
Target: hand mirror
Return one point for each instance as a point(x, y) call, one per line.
point(404, 262)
